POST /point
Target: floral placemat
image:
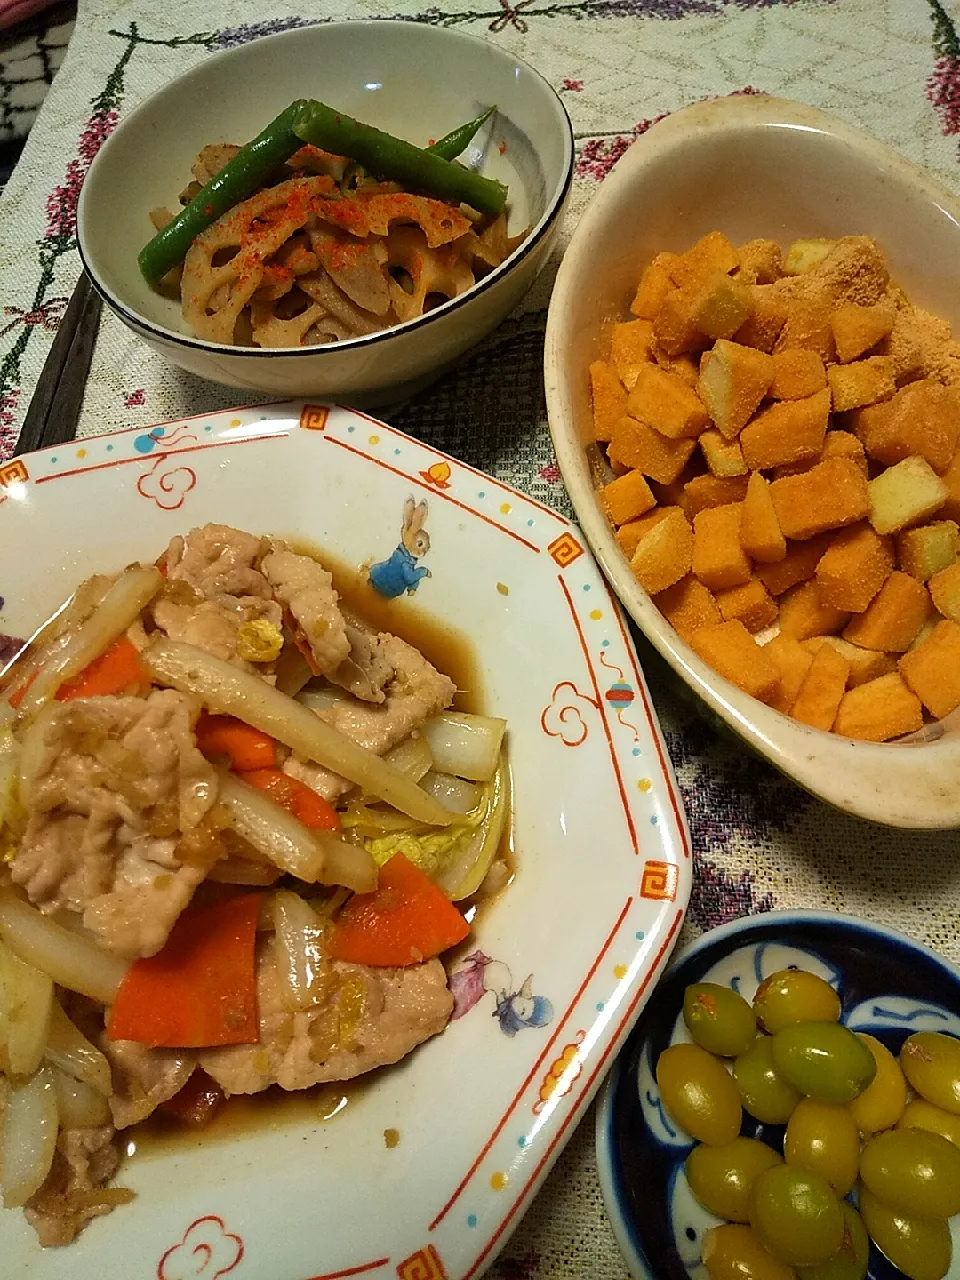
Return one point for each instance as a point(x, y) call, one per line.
point(891, 66)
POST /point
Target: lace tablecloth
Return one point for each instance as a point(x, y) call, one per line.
point(891, 66)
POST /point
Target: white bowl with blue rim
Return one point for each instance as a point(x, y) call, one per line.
point(415, 81)
point(889, 987)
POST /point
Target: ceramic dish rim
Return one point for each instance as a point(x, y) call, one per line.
point(785, 743)
point(675, 838)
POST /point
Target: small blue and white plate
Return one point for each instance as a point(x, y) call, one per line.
point(889, 986)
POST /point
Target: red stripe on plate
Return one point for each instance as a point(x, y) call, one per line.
point(572, 1114)
point(652, 722)
point(535, 1069)
point(353, 1271)
point(164, 453)
point(430, 489)
point(606, 728)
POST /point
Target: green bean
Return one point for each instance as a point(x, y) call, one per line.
point(239, 178)
point(448, 147)
point(454, 144)
point(392, 158)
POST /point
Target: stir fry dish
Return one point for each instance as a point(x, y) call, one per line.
point(323, 229)
point(235, 822)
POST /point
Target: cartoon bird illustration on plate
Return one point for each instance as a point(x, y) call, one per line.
point(514, 1007)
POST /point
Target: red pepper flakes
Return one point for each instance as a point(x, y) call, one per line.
point(348, 254)
point(503, 146)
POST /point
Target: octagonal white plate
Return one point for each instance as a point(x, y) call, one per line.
point(603, 862)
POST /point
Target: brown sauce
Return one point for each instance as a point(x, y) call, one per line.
point(272, 1111)
point(444, 646)
point(275, 1110)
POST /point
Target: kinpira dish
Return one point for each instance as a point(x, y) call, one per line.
point(235, 821)
point(323, 229)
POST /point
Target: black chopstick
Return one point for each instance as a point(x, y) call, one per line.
point(55, 407)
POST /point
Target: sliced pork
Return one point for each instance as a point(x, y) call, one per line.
point(214, 592)
point(217, 625)
point(74, 1192)
point(217, 561)
point(415, 692)
point(143, 1078)
point(366, 669)
point(305, 588)
point(366, 1018)
point(117, 812)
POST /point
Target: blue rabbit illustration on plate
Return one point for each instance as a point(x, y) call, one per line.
point(401, 573)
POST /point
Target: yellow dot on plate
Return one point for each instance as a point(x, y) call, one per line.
point(619, 971)
point(498, 1181)
point(235, 422)
point(503, 588)
point(596, 614)
point(644, 784)
point(505, 508)
point(81, 453)
point(374, 440)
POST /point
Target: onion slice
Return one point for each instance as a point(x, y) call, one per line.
point(118, 609)
point(313, 856)
point(226, 690)
point(79, 1106)
point(71, 1052)
point(26, 1004)
point(464, 876)
point(9, 764)
point(412, 757)
point(51, 636)
point(465, 745)
point(453, 793)
point(300, 953)
point(235, 870)
point(32, 749)
point(347, 864)
point(319, 699)
point(29, 1140)
point(71, 961)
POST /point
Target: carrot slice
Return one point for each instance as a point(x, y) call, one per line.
point(296, 797)
point(245, 746)
point(117, 670)
point(407, 919)
point(200, 990)
point(18, 695)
